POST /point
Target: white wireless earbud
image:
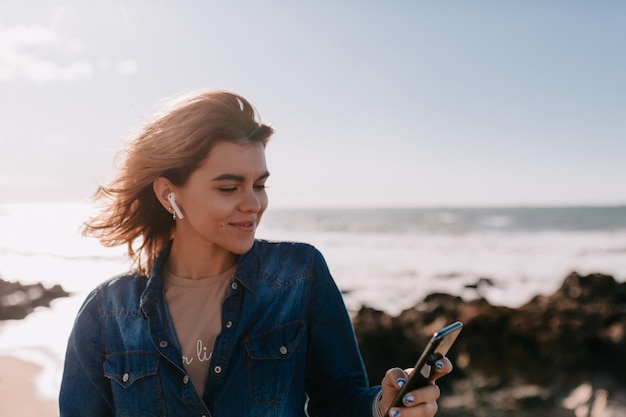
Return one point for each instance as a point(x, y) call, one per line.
point(172, 200)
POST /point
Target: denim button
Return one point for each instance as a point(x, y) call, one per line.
point(163, 343)
point(229, 324)
point(283, 350)
point(233, 285)
point(218, 369)
point(125, 377)
point(186, 379)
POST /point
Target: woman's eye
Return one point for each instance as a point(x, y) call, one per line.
point(227, 189)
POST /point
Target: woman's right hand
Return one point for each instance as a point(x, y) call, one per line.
point(421, 402)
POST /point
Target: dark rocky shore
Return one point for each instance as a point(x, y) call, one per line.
point(562, 355)
point(19, 300)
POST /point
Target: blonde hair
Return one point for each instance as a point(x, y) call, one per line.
point(173, 146)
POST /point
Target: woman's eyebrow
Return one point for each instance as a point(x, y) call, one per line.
point(238, 178)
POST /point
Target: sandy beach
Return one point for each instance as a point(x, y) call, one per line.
point(18, 394)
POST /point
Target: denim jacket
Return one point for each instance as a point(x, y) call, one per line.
point(286, 348)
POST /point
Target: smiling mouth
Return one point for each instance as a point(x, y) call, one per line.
point(251, 225)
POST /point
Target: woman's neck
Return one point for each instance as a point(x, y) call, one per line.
point(193, 263)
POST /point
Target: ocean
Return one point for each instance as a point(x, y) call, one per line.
point(389, 259)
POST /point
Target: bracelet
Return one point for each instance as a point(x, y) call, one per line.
point(375, 409)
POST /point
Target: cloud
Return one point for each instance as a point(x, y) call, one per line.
point(21, 55)
point(127, 67)
point(26, 54)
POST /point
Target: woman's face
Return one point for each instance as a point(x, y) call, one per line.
point(224, 199)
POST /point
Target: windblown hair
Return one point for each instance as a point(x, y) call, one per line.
point(173, 145)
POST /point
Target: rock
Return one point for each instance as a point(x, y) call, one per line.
point(19, 300)
point(523, 359)
point(482, 282)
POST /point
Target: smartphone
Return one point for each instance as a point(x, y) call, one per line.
point(436, 349)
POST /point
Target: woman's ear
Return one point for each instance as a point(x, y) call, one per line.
point(162, 187)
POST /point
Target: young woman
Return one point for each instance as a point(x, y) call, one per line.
point(214, 322)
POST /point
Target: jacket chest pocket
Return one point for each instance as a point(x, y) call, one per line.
point(272, 361)
point(135, 383)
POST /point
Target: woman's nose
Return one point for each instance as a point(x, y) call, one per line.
point(251, 202)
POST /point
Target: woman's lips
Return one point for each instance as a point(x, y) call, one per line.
point(245, 226)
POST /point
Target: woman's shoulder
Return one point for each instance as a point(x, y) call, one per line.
point(120, 294)
point(265, 248)
point(124, 280)
point(280, 257)
point(124, 285)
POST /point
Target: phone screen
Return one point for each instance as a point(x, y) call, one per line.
point(436, 349)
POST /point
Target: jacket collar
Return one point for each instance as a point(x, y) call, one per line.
point(248, 267)
point(246, 274)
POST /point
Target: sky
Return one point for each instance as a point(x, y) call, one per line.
point(375, 103)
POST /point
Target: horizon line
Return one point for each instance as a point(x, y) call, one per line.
point(399, 206)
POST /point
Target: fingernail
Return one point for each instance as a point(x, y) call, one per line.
point(439, 365)
point(394, 412)
point(400, 382)
point(409, 399)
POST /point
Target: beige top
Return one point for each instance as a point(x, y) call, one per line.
point(196, 309)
